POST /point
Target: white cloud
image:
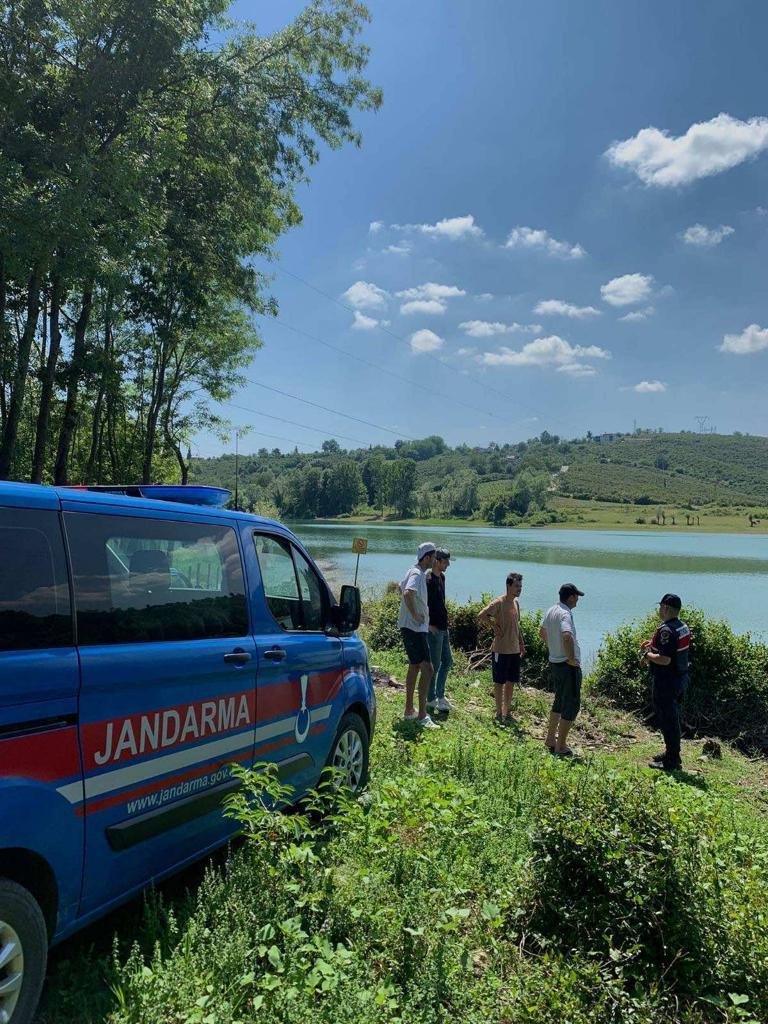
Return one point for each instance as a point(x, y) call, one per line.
point(708, 147)
point(399, 249)
point(488, 329)
point(464, 352)
point(537, 238)
point(431, 290)
point(451, 228)
point(649, 387)
point(429, 306)
point(363, 322)
point(428, 298)
point(761, 211)
point(577, 369)
point(375, 226)
point(550, 351)
point(752, 339)
point(426, 341)
point(556, 307)
point(364, 295)
point(627, 290)
point(484, 296)
point(637, 315)
point(705, 237)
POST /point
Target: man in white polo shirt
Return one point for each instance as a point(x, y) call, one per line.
point(413, 620)
point(558, 631)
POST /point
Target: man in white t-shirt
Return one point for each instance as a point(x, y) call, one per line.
point(413, 620)
point(558, 631)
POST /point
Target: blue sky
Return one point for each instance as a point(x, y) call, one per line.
point(570, 229)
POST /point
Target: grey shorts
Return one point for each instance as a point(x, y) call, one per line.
point(416, 646)
point(566, 682)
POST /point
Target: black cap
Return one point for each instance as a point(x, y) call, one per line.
point(569, 590)
point(672, 601)
point(443, 554)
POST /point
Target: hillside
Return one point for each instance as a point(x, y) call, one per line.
point(503, 483)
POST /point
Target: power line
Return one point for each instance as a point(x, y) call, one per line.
point(400, 338)
point(276, 437)
point(295, 423)
point(382, 369)
point(334, 412)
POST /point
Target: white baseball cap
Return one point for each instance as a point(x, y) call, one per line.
point(425, 549)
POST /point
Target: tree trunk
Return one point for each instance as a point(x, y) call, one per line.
point(49, 376)
point(96, 432)
point(69, 421)
point(18, 384)
point(3, 342)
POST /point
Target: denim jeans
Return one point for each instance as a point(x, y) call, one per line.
point(442, 660)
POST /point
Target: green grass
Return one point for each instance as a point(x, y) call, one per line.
point(445, 894)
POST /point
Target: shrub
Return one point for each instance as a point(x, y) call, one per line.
point(640, 874)
point(728, 692)
point(380, 619)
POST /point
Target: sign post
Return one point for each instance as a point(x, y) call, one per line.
point(360, 547)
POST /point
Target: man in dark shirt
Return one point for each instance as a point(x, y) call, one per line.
point(438, 638)
point(667, 656)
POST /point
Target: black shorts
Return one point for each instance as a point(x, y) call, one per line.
point(566, 682)
point(416, 646)
point(506, 668)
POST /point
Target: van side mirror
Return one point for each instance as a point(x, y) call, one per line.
point(345, 616)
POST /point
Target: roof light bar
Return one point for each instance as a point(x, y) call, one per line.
point(189, 494)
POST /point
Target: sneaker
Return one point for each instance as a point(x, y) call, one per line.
point(658, 758)
point(409, 716)
point(427, 723)
point(443, 704)
point(662, 766)
point(565, 752)
point(433, 705)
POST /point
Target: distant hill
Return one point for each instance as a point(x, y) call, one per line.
point(683, 468)
point(502, 482)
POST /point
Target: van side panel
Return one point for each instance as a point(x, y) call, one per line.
point(39, 684)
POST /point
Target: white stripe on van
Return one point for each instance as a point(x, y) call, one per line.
point(118, 778)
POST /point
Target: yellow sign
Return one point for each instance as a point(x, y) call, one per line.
point(360, 545)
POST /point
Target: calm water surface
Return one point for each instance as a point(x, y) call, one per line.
point(623, 574)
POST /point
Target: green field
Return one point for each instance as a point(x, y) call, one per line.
point(481, 880)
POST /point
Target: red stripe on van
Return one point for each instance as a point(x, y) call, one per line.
point(282, 698)
point(48, 756)
point(205, 718)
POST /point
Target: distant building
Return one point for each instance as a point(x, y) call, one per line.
point(606, 438)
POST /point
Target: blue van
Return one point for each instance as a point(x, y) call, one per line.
point(148, 640)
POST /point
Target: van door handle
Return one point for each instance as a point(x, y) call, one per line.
point(275, 654)
point(237, 657)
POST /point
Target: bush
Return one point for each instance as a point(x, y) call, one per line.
point(640, 874)
point(379, 619)
point(728, 692)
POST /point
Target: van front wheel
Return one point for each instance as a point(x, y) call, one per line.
point(349, 753)
point(23, 953)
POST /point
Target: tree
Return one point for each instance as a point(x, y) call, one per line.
point(343, 488)
point(141, 168)
point(400, 480)
point(331, 447)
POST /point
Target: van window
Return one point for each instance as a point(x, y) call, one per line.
point(35, 610)
point(293, 590)
point(138, 580)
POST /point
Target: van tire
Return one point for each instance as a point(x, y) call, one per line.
point(350, 752)
point(21, 916)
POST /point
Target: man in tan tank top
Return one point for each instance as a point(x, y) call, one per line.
point(508, 646)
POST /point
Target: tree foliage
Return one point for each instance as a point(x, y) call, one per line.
point(143, 166)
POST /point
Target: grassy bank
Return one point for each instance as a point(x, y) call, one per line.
point(576, 514)
point(481, 880)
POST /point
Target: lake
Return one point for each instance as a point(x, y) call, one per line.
point(623, 574)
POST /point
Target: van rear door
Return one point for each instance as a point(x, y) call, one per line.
point(168, 687)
